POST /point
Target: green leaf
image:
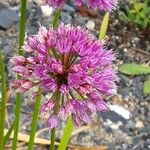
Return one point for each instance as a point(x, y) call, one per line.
point(146, 88)
point(134, 69)
point(104, 26)
point(66, 134)
point(56, 19)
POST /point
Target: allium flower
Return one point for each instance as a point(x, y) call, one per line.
point(106, 5)
point(73, 66)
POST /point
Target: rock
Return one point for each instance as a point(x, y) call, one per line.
point(145, 129)
point(125, 92)
point(14, 2)
point(124, 146)
point(7, 18)
point(90, 25)
point(68, 8)
point(108, 129)
point(5, 46)
point(2, 6)
point(87, 141)
point(39, 2)
point(111, 146)
point(80, 20)
point(46, 10)
point(33, 29)
point(113, 125)
point(120, 111)
point(130, 126)
point(139, 124)
point(125, 81)
point(66, 18)
point(113, 117)
point(137, 87)
point(6, 50)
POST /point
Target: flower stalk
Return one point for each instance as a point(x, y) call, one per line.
point(53, 131)
point(22, 25)
point(3, 101)
point(66, 134)
point(20, 52)
point(35, 119)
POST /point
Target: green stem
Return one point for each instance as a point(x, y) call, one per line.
point(56, 19)
point(66, 134)
point(53, 131)
point(22, 25)
point(53, 136)
point(16, 120)
point(71, 94)
point(8, 133)
point(3, 100)
point(35, 119)
point(20, 52)
point(53, 52)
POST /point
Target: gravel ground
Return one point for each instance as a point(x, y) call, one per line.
point(126, 126)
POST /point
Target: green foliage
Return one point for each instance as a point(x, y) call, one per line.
point(104, 26)
point(138, 13)
point(134, 69)
point(146, 88)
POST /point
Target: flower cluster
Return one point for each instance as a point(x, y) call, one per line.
point(106, 5)
point(72, 65)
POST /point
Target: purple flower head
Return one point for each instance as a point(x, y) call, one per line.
point(71, 63)
point(106, 5)
point(53, 121)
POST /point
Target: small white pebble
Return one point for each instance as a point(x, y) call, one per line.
point(46, 10)
point(125, 50)
point(90, 25)
point(139, 124)
point(120, 111)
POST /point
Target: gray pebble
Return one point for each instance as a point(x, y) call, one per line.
point(130, 126)
point(66, 18)
point(5, 46)
point(7, 18)
point(68, 8)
